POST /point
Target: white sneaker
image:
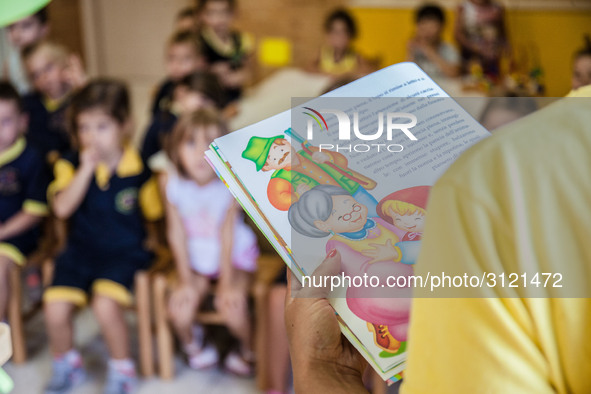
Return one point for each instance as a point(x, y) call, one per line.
point(207, 357)
point(237, 365)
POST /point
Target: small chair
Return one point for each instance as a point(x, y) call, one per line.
point(142, 305)
point(268, 267)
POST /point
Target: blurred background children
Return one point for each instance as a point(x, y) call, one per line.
point(210, 243)
point(22, 34)
point(54, 74)
point(337, 56)
point(22, 190)
point(427, 48)
point(106, 192)
point(502, 110)
point(197, 90)
point(186, 20)
point(480, 32)
point(228, 51)
point(582, 65)
point(183, 56)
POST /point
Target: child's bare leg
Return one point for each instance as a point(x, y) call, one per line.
point(5, 266)
point(278, 355)
point(58, 319)
point(236, 315)
point(183, 306)
point(111, 319)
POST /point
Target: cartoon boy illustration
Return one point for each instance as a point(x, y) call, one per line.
point(367, 246)
point(302, 170)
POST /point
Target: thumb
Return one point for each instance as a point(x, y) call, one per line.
point(318, 285)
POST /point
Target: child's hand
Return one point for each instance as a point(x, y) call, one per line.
point(89, 158)
point(74, 73)
point(386, 252)
point(228, 298)
point(182, 301)
point(320, 157)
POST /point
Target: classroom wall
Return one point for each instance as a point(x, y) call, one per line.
point(556, 34)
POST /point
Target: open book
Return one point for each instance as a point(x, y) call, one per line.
point(351, 170)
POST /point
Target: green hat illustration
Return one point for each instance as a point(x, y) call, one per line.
point(15, 10)
point(258, 149)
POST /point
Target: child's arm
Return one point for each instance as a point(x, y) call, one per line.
point(67, 200)
point(18, 224)
point(176, 236)
point(227, 235)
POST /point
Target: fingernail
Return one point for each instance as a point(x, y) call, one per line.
point(332, 253)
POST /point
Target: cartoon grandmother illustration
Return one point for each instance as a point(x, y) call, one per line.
point(296, 172)
point(367, 246)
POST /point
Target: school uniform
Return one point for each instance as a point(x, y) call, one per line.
point(161, 125)
point(22, 188)
point(105, 246)
point(234, 52)
point(47, 124)
point(163, 97)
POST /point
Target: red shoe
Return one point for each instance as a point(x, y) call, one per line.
point(382, 338)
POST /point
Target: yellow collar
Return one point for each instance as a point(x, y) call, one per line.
point(130, 164)
point(225, 48)
point(51, 105)
point(13, 151)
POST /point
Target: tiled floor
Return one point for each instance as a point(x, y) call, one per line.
point(31, 377)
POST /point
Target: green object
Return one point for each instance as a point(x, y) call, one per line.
point(258, 149)
point(6, 383)
point(14, 10)
point(402, 349)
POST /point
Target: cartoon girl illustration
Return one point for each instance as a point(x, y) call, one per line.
point(406, 210)
point(367, 246)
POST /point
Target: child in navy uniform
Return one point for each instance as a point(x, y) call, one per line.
point(197, 90)
point(183, 56)
point(22, 190)
point(228, 52)
point(107, 192)
point(54, 74)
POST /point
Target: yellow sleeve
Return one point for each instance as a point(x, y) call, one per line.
point(473, 345)
point(150, 200)
point(247, 43)
point(63, 172)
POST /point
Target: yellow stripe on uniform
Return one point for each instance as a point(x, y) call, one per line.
point(65, 294)
point(150, 201)
point(63, 174)
point(36, 208)
point(12, 252)
point(113, 290)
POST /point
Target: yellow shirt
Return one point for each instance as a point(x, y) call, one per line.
point(518, 201)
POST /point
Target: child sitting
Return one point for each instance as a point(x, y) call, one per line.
point(22, 190)
point(427, 49)
point(21, 34)
point(480, 32)
point(106, 192)
point(186, 20)
point(228, 52)
point(210, 243)
point(337, 57)
point(197, 90)
point(54, 75)
point(183, 57)
point(582, 66)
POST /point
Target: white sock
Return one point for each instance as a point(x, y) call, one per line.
point(72, 356)
point(124, 365)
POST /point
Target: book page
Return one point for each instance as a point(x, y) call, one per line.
point(376, 144)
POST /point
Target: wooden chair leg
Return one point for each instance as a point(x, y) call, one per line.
point(163, 332)
point(15, 317)
point(261, 297)
point(142, 291)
